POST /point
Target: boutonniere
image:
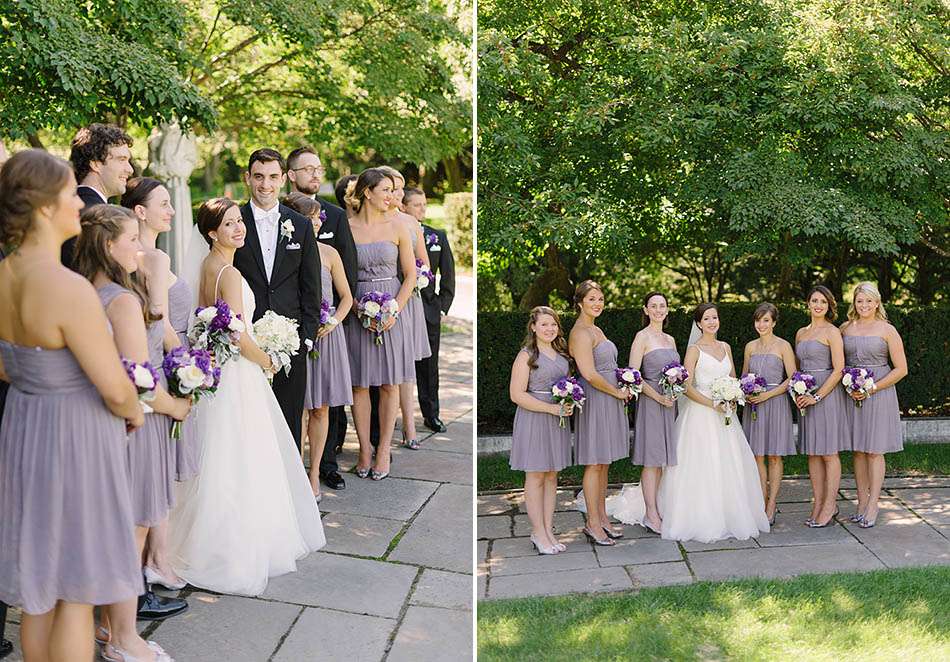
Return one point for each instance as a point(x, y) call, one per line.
point(432, 239)
point(287, 229)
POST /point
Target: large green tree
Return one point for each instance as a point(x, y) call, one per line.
point(747, 147)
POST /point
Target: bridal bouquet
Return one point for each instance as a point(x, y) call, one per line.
point(858, 380)
point(218, 330)
point(801, 383)
point(672, 379)
point(423, 277)
point(727, 391)
point(753, 384)
point(630, 381)
point(191, 374)
point(145, 378)
point(277, 336)
point(326, 320)
point(376, 307)
point(565, 391)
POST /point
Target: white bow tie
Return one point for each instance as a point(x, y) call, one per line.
point(268, 216)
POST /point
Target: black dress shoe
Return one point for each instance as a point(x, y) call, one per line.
point(154, 607)
point(6, 647)
point(435, 424)
point(333, 480)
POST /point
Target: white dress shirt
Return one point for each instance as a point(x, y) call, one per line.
point(267, 223)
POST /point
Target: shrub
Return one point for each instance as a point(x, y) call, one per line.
point(458, 219)
point(925, 390)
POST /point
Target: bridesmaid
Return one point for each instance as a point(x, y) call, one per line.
point(540, 446)
point(824, 430)
point(328, 376)
point(770, 434)
point(382, 248)
point(602, 434)
point(63, 439)
point(654, 446)
point(415, 317)
point(871, 342)
point(106, 254)
point(150, 201)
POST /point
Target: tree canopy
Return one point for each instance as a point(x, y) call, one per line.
point(719, 148)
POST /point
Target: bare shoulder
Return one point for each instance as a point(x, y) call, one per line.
point(63, 286)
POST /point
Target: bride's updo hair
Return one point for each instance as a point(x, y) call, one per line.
point(368, 179)
point(646, 300)
point(832, 313)
point(701, 310)
point(583, 288)
point(31, 179)
point(210, 214)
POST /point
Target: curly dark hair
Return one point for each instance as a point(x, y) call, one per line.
point(30, 179)
point(92, 143)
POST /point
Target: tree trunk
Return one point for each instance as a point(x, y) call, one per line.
point(554, 277)
point(35, 141)
point(211, 172)
point(453, 172)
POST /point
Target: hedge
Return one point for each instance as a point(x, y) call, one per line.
point(926, 334)
point(458, 221)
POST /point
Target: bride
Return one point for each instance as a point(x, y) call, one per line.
point(249, 514)
point(713, 491)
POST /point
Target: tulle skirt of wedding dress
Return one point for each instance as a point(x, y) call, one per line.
point(713, 491)
point(249, 514)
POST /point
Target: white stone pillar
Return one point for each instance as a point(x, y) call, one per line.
point(172, 157)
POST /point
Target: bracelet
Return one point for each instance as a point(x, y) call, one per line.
point(817, 398)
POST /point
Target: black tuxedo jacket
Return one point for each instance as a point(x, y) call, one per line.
point(336, 232)
point(90, 198)
point(294, 287)
point(440, 261)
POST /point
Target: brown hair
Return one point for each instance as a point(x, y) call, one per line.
point(410, 192)
point(266, 155)
point(92, 143)
point(530, 342)
point(701, 310)
point(30, 179)
point(210, 214)
point(765, 308)
point(368, 179)
point(295, 155)
point(394, 174)
point(646, 300)
point(832, 313)
point(302, 204)
point(583, 288)
point(137, 191)
point(100, 225)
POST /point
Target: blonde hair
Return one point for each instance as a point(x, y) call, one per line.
point(871, 290)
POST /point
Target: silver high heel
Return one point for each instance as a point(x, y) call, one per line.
point(603, 542)
point(116, 654)
point(152, 576)
point(543, 551)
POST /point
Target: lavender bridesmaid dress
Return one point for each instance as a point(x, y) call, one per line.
point(328, 377)
point(393, 362)
point(151, 448)
point(601, 434)
point(824, 427)
point(63, 459)
point(876, 424)
point(416, 320)
point(653, 442)
point(771, 431)
point(538, 442)
point(187, 449)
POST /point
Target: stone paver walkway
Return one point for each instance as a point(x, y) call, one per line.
point(913, 529)
point(395, 579)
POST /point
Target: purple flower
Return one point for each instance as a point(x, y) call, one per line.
point(323, 215)
point(753, 384)
point(190, 374)
point(858, 380)
point(567, 390)
point(801, 383)
point(374, 309)
point(672, 377)
point(432, 239)
point(145, 378)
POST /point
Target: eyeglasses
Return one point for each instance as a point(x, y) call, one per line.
point(311, 170)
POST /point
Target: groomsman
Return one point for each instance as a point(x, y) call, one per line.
point(305, 173)
point(435, 304)
point(102, 160)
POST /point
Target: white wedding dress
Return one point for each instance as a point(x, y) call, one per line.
point(249, 514)
point(713, 491)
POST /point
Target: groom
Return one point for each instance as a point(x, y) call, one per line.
point(281, 263)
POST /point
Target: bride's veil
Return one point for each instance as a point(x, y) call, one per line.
point(195, 255)
point(683, 402)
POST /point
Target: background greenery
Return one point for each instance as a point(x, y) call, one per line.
point(925, 390)
point(368, 82)
point(716, 150)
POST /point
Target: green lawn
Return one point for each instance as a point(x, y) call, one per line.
point(883, 615)
point(916, 459)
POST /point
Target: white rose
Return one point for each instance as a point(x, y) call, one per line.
point(799, 387)
point(846, 380)
point(207, 314)
point(190, 377)
point(869, 384)
point(236, 324)
point(628, 375)
point(671, 372)
point(332, 321)
point(422, 282)
point(371, 308)
point(143, 378)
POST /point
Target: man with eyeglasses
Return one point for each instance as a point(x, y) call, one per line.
point(305, 173)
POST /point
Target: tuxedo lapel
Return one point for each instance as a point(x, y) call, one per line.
point(253, 240)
